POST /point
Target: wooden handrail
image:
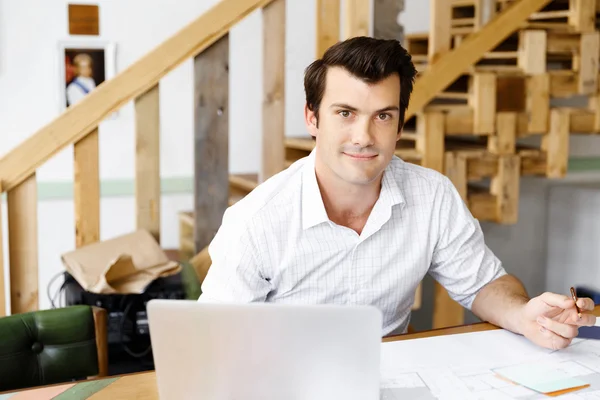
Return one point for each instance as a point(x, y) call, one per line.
point(84, 117)
point(450, 65)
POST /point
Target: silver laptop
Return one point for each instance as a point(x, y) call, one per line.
point(265, 351)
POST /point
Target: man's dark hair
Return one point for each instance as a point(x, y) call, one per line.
point(367, 58)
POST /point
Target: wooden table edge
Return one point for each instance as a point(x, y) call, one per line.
point(453, 330)
point(468, 328)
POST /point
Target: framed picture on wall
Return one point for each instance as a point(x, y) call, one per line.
point(83, 66)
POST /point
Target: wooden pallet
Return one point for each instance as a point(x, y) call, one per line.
point(561, 15)
point(417, 45)
point(503, 104)
point(488, 183)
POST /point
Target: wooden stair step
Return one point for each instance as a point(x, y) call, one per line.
point(244, 182)
point(306, 144)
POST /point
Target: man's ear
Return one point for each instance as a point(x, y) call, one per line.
point(310, 119)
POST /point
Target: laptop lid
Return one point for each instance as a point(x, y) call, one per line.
point(265, 351)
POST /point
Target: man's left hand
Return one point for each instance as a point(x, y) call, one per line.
point(550, 320)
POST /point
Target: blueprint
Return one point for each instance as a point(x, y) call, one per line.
point(462, 367)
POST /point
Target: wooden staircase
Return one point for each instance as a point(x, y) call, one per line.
point(485, 82)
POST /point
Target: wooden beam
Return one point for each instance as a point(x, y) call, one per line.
point(556, 144)
point(582, 15)
point(532, 51)
point(504, 141)
point(273, 147)
point(86, 194)
point(588, 63)
point(418, 299)
point(147, 162)
point(80, 119)
point(538, 103)
point(594, 106)
point(483, 100)
point(446, 312)
point(430, 140)
point(100, 316)
point(452, 64)
point(482, 167)
point(385, 19)
point(2, 274)
point(439, 33)
point(456, 171)
point(211, 136)
point(484, 206)
point(23, 246)
point(328, 25)
point(506, 189)
point(564, 84)
point(357, 21)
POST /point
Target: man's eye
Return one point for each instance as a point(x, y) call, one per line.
point(384, 116)
point(345, 114)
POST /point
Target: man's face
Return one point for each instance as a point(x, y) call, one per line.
point(84, 69)
point(357, 126)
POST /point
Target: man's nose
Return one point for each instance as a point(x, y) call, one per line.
point(363, 135)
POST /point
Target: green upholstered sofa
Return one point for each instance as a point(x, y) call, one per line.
point(52, 346)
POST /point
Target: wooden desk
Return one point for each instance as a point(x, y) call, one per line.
point(142, 386)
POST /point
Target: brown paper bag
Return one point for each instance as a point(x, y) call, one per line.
point(124, 265)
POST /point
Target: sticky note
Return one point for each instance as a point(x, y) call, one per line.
point(540, 377)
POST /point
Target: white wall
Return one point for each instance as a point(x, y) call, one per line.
point(415, 17)
point(574, 233)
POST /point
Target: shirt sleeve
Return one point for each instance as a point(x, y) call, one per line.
point(235, 273)
point(461, 261)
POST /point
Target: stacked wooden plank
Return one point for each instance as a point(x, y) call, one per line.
point(505, 117)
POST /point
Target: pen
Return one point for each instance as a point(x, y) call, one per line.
point(575, 300)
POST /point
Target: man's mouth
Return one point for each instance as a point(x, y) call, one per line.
point(361, 156)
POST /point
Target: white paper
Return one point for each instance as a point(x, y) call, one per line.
point(461, 366)
point(573, 369)
point(595, 395)
point(516, 391)
point(410, 380)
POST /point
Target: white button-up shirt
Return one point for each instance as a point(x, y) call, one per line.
point(278, 245)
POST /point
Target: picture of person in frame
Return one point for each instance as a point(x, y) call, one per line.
point(84, 71)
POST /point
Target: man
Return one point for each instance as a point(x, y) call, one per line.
point(83, 82)
point(354, 224)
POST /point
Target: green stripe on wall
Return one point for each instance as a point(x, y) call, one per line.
point(584, 164)
point(113, 188)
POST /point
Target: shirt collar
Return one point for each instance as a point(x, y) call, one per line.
point(390, 191)
point(313, 208)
